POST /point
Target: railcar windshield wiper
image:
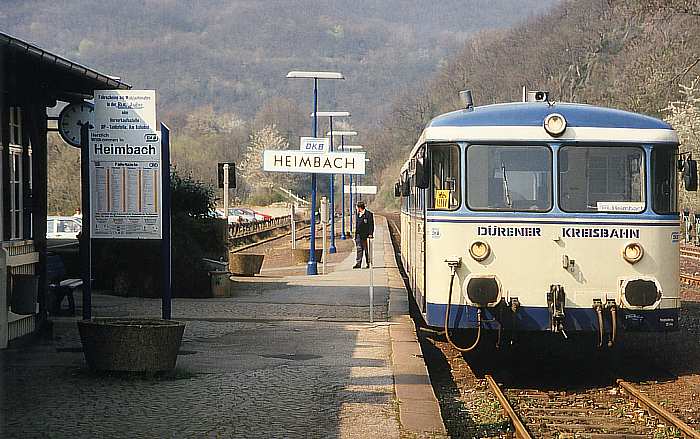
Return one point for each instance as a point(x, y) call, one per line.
point(506, 193)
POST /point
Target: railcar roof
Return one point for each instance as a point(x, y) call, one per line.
point(533, 113)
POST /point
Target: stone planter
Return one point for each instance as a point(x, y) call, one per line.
point(132, 345)
point(245, 264)
point(301, 255)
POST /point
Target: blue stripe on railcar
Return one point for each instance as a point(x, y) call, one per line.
point(537, 318)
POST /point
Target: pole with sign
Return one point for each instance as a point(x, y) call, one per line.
point(166, 244)
point(85, 240)
point(324, 221)
point(342, 196)
point(226, 176)
point(370, 262)
point(331, 177)
point(128, 171)
point(351, 208)
point(226, 191)
point(294, 226)
point(311, 268)
point(331, 190)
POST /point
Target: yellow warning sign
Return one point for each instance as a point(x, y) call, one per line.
point(442, 199)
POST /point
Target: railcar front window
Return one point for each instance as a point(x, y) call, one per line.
point(664, 188)
point(444, 193)
point(601, 179)
point(509, 178)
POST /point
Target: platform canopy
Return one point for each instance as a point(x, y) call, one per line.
point(58, 77)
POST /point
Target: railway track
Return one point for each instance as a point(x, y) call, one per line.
point(593, 413)
point(690, 280)
point(690, 252)
point(238, 245)
point(618, 410)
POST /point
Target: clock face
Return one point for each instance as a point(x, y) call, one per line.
point(72, 117)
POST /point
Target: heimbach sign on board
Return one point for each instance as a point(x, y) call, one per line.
point(314, 163)
point(125, 166)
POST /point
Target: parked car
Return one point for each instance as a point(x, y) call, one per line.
point(63, 227)
point(217, 213)
point(239, 215)
point(257, 215)
point(262, 216)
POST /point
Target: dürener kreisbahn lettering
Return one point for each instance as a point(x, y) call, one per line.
point(566, 232)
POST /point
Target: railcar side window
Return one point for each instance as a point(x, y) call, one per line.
point(444, 191)
point(601, 179)
point(510, 178)
point(664, 187)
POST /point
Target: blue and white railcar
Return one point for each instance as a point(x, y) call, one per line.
point(544, 217)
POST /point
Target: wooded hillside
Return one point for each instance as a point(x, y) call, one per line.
point(219, 65)
point(637, 55)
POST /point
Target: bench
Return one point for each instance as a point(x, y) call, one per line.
point(59, 286)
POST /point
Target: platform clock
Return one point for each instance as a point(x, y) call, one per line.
point(71, 119)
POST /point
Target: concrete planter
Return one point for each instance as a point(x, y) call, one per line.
point(245, 264)
point(301, 255)
point(132, 345)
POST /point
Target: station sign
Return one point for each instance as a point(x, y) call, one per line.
point(314, 163)
point(364, 190)
point(315, 144)
point(125, 166)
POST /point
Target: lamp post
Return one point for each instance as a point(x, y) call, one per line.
point(342, 135)
point(331, 177)
point(352, 209)
point(311, 267)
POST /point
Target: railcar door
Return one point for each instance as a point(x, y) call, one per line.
point(414, 234)
point(420, 248)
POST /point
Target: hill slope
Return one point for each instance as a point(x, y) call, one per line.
point(234, 54)
point(634, 55)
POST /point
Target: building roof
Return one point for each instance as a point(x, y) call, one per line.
point(81, 78)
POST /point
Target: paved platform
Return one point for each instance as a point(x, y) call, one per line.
point(287, 356)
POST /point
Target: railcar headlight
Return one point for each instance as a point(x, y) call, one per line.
point(633, 253)
point(555, 124)
point(479, 250)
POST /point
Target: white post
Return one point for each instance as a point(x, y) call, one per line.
point(324, 222)
point(226, 191)
point(371, 279)
point(294, 227)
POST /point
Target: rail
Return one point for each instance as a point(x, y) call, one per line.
point(658, 410)
point(520, 430)
point(690, 280)
point(566, 419)
point(690, 253)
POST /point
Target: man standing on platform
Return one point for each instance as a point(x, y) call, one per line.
point(364, 221)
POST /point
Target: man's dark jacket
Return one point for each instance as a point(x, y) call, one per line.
point(365, 224)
